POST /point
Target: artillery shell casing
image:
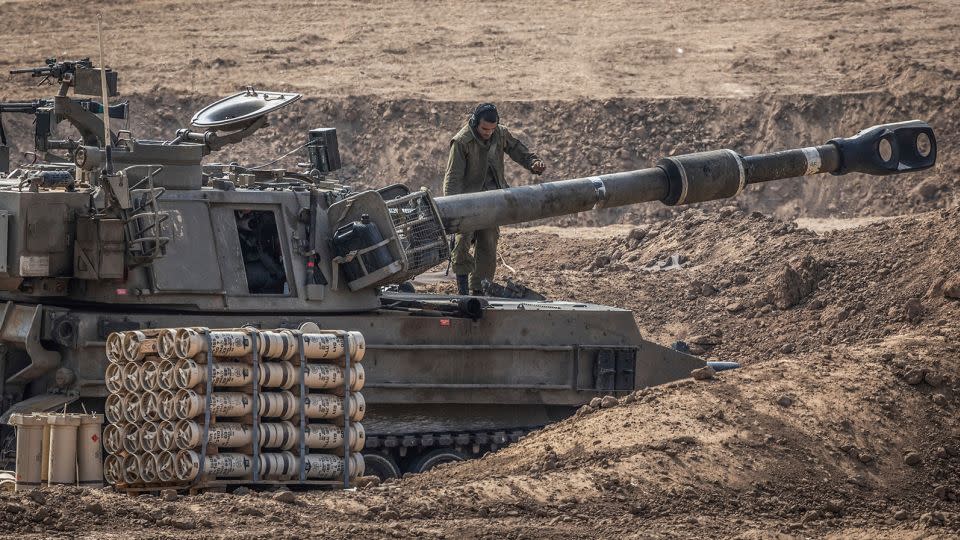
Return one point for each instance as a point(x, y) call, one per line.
point(226, 465)
point(330, 436)
point(328, 406)
point(130, 438)
point(148, 436)
point(167, 378)
point(330, 467)
point(130, 374)
point(137, 344)
point(148, 468)
point(130, 469)
point(271, 374)
point(113, 378)
point(150, 406)
point(232, 404)
point(114, 348)
point(166, 466)
point(149, 375)
point(131, 407)
point(113, 438)
point(113, 469)
point(114, 408)
point(328, 376)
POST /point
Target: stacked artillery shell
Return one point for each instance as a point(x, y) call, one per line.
point(181, 406)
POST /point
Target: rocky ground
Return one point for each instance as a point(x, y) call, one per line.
point(840, 297)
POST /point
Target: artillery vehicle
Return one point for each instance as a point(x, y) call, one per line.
point(110, 232)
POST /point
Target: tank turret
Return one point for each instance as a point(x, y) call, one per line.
point(108, 232)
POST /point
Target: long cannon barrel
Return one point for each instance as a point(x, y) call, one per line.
point(691, 178)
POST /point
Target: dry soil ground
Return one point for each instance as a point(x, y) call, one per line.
point(842, 422)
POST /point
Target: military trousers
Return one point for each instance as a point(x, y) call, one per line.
point(480, 265)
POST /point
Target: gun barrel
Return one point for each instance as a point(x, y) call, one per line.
point(18, 107)
point(35, 71)
point(691, 178)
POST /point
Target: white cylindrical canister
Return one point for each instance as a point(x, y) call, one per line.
point(113, 438)
point(131, 408)
point(221, 435)
point(233, 435)
point(130, 374)
point(272, 374)
point(149, 436)
point(130, 470)
point(166, 344)
point(225, 343)
point(115, 348)
point(137, 344)
point(226, 465)
point(63, 449)
point(330, 345)
point(329, 376)
point(166, 405)
point(168, 372)
point(29, 449)
point(114, 409)
point(166, 435)
point(166, 466)
point(330, 436)
point(113, 378)
point(150, 406)
point(330, 467)
point(130, 438)
point(113, 469)
point(149, 375)
point(89, 451)
point(330, 407)
point(189, 404)
point(148, 468)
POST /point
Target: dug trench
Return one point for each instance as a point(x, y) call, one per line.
point(841, 421)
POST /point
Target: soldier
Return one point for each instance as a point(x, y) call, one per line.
point(476, 164)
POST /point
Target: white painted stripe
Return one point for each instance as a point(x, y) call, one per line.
point(743, 173)
point(813, 160)
point(685, 183)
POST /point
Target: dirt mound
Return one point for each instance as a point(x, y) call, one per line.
point(851, 430)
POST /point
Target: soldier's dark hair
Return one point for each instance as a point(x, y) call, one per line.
point(485, 111)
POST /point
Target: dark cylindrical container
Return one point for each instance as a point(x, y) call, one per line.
point(359, 235)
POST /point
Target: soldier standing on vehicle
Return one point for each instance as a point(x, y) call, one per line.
point(476, 164)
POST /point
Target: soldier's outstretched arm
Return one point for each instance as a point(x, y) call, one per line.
point(520, 153)
point(456, 170)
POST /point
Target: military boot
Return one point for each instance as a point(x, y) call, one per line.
point(462, 284)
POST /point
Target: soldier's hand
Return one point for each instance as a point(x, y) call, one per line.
point(538, 167)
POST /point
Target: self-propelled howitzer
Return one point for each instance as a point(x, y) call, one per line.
point(149, 236)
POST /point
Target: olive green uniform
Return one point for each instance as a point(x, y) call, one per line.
point(477, 165)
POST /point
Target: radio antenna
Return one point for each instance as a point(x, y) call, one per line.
point(107, 136)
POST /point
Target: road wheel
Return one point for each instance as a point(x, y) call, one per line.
point(435, 457)
point(381, 466)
